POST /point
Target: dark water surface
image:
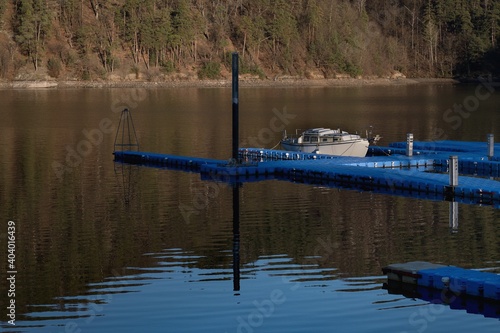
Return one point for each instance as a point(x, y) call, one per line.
point(105, 247)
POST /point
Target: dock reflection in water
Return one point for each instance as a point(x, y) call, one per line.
point(310, 255)
point(262, 293)
point(455, 301)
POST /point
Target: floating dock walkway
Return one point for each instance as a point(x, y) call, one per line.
point(471, 290)
point(425, 174)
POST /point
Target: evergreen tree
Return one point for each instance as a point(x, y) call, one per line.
point(33, 24)
point(431, 33)
point(155, 33)
point(3, 5)
point(184, 29)
point(70, 17)
point(282, 28)
point(472, 47)
point(493, 22)
point(129, 21)
point(418, 37)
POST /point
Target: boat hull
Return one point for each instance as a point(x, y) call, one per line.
point(357, 148)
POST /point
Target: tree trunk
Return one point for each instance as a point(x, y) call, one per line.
point(145, 57)
point(244, 45)
point(195, 51)
point(135, 48)
point(95, 8)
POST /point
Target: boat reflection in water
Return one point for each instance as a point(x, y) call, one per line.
point(328, 141)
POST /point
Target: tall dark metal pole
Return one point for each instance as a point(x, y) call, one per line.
point(235, 108)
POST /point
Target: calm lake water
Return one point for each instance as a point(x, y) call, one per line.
point(105, 247)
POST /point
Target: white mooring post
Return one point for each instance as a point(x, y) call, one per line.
point(491, 145)
point(453, 169)
point(409, 144)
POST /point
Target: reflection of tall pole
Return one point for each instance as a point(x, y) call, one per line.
point(454, 216)
point(236, 238)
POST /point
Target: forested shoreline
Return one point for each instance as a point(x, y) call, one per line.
point(161, 40)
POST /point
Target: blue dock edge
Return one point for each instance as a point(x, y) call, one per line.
point(460, 281)
point(423, 175)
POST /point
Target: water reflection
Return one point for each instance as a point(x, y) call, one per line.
point(236, 238)
point(454, 216)
point(176, 279)
point(126, 178)
point(177, 285)
point(83, 239)
point(454, 301)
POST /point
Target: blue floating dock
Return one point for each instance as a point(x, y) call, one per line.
point(163, 160)
point(424, 147)
point(389, 170)
point(460, 281)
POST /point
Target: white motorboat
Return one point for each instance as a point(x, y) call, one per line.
point(328, 141)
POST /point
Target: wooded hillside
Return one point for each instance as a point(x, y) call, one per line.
point(168, 39)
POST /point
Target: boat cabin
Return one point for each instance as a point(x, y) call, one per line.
point(326, 135)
